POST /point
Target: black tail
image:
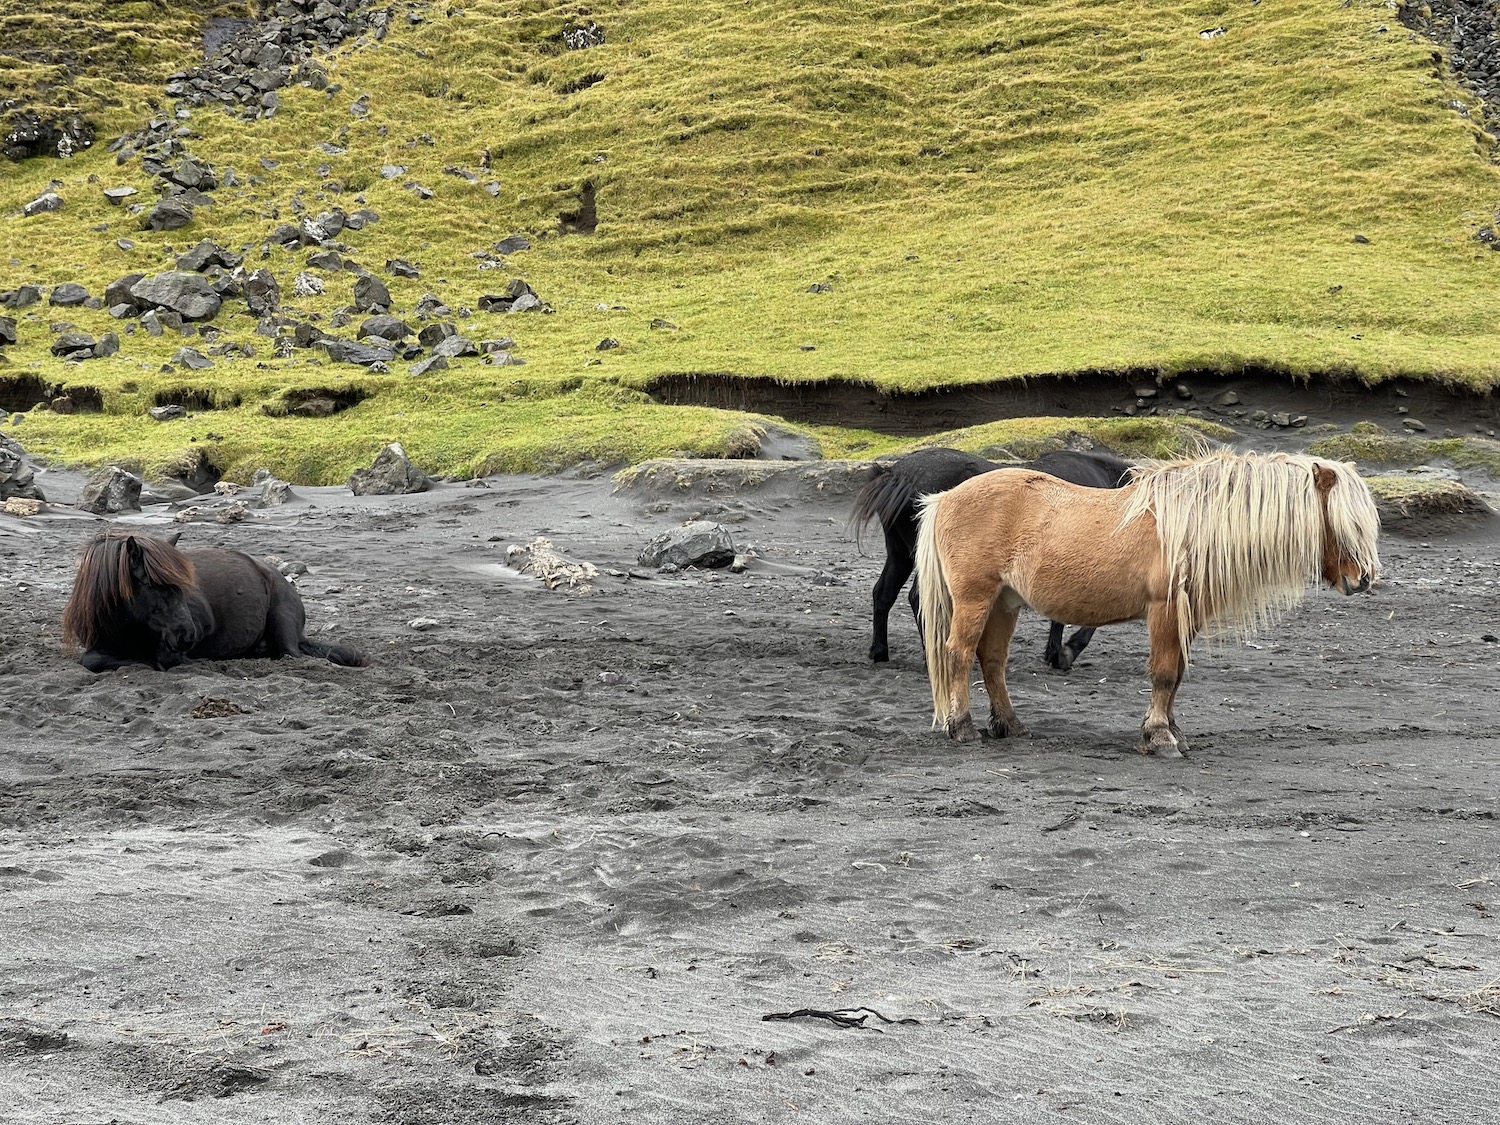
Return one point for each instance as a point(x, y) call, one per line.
point(886, 496)
point(339, 654)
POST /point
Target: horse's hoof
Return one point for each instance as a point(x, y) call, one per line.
point(1167, 747)
point(879, 657)
point(963, 730)
point(1013, 729)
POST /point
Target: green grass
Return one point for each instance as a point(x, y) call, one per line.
point(991, 190)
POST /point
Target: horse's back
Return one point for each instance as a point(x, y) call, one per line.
point(1092, 468)
point(940, 468)
point(1060, 545)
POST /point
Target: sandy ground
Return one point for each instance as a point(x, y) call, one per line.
point(555, 857)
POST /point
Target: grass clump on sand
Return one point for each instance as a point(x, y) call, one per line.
point(1370, 444)
point(1420, 499)
point(910, 196)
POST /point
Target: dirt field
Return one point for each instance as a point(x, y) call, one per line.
point(556, 857)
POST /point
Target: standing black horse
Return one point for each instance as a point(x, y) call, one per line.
point(139, 600)
point(891, 496)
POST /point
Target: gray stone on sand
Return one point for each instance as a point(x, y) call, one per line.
point(111, 490)
point(699, 543)
point(392, 474)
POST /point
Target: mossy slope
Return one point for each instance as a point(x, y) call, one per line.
point(977, 190)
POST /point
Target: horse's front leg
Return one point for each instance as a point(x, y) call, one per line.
point(994, 650)
point(1159, 732)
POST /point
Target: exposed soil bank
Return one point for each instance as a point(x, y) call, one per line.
point(1092, 395)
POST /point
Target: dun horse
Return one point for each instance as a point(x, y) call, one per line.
point(139, 600)
point(891, 495)
point(1223, 542)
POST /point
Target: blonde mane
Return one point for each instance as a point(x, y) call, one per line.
point(1242, 535)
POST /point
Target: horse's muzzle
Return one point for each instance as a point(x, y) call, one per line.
point(1361, 587)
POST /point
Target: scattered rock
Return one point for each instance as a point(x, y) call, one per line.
point(348, 351)
point(118, 195)
point(191, 358)
point(67, 295)
point(21, 298)
point(371, 295)
point(47, 201)
point(206, 254)
point(109, 491)
point(698, 543)
point(7, 330)
point(392, 474)
point(17, 478)
point(385, 327)
point(431, 363)
point(187, 294)
point(168, 214)
point(261, 292)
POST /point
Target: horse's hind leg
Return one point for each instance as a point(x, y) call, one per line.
point(1159, 732)
point(1054, 655)
point(899, 563)
point(968, 626)
point(1075, 646)
point(994, 649)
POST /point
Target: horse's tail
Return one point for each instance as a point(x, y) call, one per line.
point(346, 655)
point(885, 496)
point(937, 610)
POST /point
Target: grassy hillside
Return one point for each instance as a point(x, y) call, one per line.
point(984, 190)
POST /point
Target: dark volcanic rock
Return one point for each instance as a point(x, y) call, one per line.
point(168, 214)
point(74, 345)
point(16, 477)
point(698, 543)
point(392, 474)
point(455, 346)
point(118, 195)
point(187, 294)
point(118, 293)
point(433, 334)
point(262, 293)
point(7, 330)
point(371, 295)
point(111, 490)
point(68, 294)
point(386, 327)
point(206, 254)
point(347, 351)
point(21, 297)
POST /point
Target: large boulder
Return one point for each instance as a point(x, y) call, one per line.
point(67, 295)
point(187, 294)
point(111, 490)
point(698, 543)
point(168, 214)
point(392, 474)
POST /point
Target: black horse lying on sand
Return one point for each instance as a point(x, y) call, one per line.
point(891, 496)
point(139, 600)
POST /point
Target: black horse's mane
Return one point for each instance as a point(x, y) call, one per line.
point(105, 581)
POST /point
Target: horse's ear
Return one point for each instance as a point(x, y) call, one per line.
point(1325, 478)
point(172, 539)
point(135, 557)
